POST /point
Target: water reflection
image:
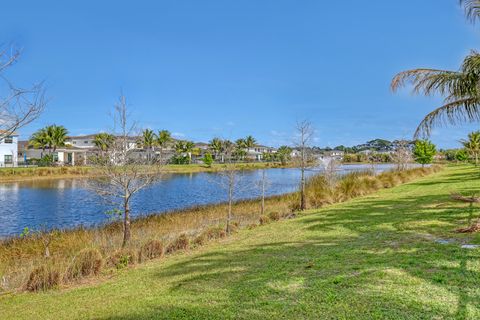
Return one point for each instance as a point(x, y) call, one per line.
point(65, 203)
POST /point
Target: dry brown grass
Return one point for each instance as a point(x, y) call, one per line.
point(44, 277)
point(88, 262)
point(23, 265)
point(151, 250)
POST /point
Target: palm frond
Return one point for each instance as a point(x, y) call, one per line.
point(472, 9)
point(455, 112)
point(428, 81)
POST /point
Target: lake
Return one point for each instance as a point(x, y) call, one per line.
point(67, 203)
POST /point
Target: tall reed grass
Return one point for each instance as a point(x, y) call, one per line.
point(80, 253)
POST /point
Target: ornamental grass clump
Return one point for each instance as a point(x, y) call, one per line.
point(88, 262)
point(122, 258)
point(42, 278)
point(180, 243)
point(151, 250)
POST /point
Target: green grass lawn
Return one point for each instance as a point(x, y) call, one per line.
point(375, 257)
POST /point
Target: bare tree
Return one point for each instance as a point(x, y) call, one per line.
point(120, 172)
point(330, 168)
point(229, 179)
point(402, 155)
point(263, 184)
point(304, 133)
point(18, 106)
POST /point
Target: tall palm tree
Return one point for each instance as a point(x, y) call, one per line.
point(460, 88)
point(103, 141)
point(164, 138)
point(149, 140)
point(56, 136)
point(472, 145)
point(216, 146)
point(240, 145)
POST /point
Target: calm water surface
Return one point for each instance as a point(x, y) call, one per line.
point(67, 203)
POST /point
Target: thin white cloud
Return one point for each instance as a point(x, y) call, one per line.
point(178, 134)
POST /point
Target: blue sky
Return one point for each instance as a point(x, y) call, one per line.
point(230, 68)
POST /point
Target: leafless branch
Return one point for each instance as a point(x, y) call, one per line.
point(122, 170)
point(18, 106)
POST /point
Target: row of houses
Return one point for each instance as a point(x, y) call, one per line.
point(78, 150)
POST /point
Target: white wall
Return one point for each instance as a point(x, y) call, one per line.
point(9, 149)
point(81, 142)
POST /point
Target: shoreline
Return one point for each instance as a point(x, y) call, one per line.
point(46, 173)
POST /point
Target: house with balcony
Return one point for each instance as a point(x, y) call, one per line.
point(9, 150)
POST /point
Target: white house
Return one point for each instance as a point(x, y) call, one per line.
point(87, 141)
point(258, 150)
point(9, 150)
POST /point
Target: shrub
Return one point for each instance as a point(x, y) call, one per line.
point(121, 258)
point(212, 233)
point(88, 262)
point(180, 243)
point(264, 220)
point(151, 250)
point(208, 160)
point(43, 278)
point(215, 233)
point(274, 216)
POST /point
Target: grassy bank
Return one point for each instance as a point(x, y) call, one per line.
point(49, 259)
point(21, 174)
point(374, 257)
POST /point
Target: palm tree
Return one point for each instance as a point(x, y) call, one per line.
point(56, 136)
point(283, 154)
point(216, 146)
point(39, 140)
point(472, 145)
point(460, 88)
point(227, 149)
point(164, 138)
point(103, 141)
point(183, 147)
point(188, 148)
point(149, 140)
point(472, 9)
point(250, 142)
point(240, 145)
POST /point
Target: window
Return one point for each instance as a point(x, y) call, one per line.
point(8, 159)
point(85, 142)
point(8, 140)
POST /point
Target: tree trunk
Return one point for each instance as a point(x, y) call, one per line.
point(263, 192)
point(302, 191)
point(126, 223)
point(230, 202)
